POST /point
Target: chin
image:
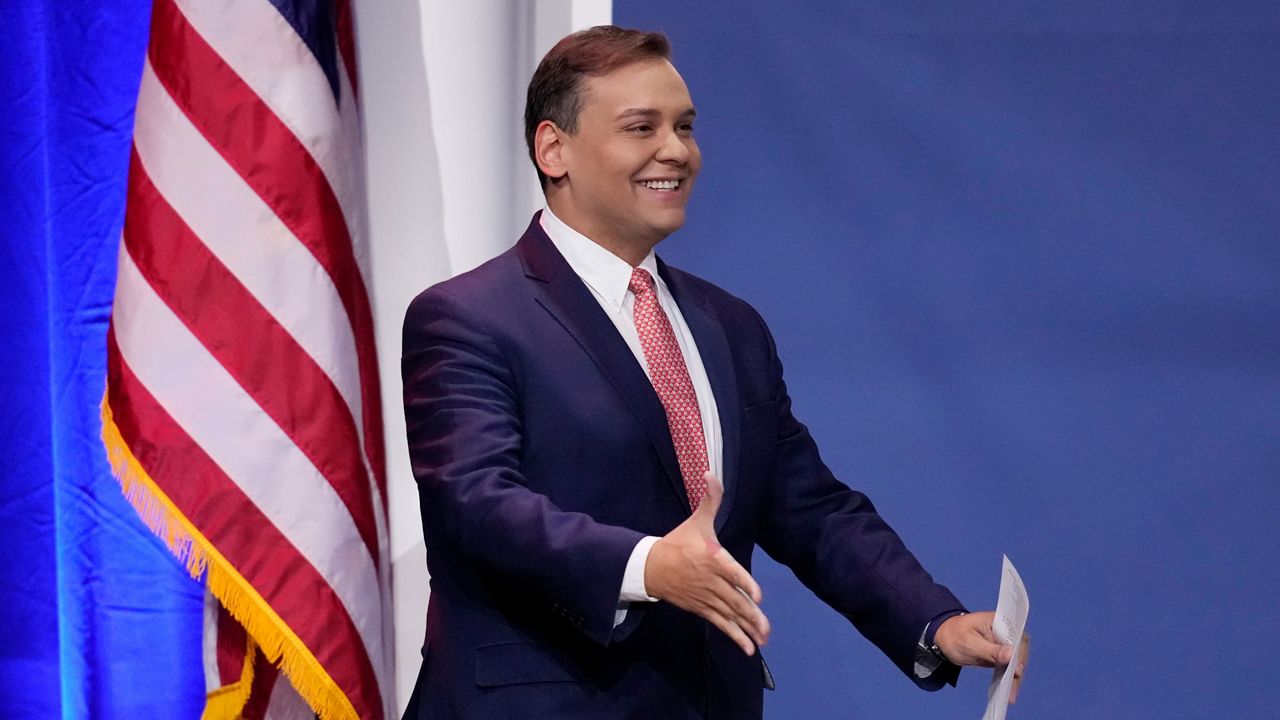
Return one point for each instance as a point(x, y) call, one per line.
point(668, 225)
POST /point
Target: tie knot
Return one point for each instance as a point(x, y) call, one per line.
point(641, 281)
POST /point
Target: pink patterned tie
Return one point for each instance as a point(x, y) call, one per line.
point(670, 379)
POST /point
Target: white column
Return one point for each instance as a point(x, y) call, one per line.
point(450, 185)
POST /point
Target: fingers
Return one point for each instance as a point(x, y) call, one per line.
point(969, 640)
point(730, 605)
point(1020, 671)
point(732, 571)
point(716, 596)
point(745, 613)
point(733, 631)
point(1003, 655)
point(734, 605)
point(987, 654)
point(742, 592)
point(738, 596)
point(690, 569)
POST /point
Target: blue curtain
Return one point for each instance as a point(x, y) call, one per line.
point(1023, 265)
point(96, 617)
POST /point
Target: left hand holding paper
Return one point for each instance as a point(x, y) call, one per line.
point(969, 641)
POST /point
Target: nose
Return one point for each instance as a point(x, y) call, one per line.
point(674, 149)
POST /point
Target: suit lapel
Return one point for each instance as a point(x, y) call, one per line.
point(563, 294)
point(713, 347)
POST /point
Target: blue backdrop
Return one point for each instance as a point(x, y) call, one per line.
point(97, 620)
point(1023, 265)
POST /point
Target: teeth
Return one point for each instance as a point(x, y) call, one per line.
point(662, 184)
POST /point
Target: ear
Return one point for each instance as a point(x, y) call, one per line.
point(548, 150)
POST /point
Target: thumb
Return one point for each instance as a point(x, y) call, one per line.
point(705, 515)
point(993, 653)
point(1004, 655)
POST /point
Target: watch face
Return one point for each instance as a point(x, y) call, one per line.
point(928, 658)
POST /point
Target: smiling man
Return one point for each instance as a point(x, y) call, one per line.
point(632, 154)
point(600, 441)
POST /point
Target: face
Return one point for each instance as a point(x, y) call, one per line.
point(629, 168)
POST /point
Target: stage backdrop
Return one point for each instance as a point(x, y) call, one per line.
point(1023, 265)
point(96, 618)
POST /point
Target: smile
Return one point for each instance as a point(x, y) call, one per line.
point(663, 185)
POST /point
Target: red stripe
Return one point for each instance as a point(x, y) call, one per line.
point(347, 42)
point(281, 171)
point(243, 336)
point(232, 642)
point(264, 683)
point(229, 648)
point(242, 534)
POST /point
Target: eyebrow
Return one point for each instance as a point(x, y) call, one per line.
point(650, 113)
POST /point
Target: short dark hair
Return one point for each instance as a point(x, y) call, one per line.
point(555, 92)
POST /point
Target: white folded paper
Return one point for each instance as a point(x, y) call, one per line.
point(1009, 622)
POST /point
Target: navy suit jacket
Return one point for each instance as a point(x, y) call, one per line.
point(542, 455)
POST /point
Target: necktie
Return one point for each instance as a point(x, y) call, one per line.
point(670, 378)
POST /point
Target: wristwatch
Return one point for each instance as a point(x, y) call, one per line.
point(928, 659)
point(929, 656)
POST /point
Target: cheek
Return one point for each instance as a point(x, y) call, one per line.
point(695, 158)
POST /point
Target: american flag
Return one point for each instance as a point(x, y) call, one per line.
point(242, 412)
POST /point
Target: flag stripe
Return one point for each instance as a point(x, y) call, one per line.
point(264, 680)
point(286, 704)
point(280, 376)
point(347, 43)
point(244, 130)
point(245, 235)
point(231, 636)
point(243, 414)
point(314, 24)
point(216, 413)
point(302, 597)
point(259, 46)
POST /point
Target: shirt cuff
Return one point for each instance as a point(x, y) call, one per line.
point(633, 589)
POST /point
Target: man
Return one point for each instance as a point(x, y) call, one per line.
point(572, 406)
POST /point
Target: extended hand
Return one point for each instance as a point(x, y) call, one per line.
point(969, 640)
point(689, 569)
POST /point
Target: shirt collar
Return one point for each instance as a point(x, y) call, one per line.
point(605, 273)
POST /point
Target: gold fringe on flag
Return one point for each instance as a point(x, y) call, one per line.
point(268, 631)
point(226, 702)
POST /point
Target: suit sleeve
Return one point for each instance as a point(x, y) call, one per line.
point(462, 414)
point(836, 543)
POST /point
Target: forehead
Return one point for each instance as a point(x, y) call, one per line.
point(649, 84)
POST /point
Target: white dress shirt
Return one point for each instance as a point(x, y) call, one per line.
point(607, 276)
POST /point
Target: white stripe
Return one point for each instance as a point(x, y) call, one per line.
point(212, 675)
point(286, 703)
point(249, 447)
point(246, 236)
point(355, 208)
point(255, 40)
